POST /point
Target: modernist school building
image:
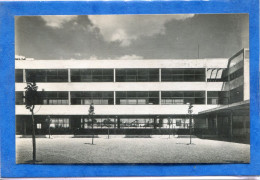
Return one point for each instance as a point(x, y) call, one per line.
point(137, 96)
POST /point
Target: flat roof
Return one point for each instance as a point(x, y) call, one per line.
point(235, 106)
point(155, 63)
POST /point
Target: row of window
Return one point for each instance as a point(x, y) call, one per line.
point(124, 123)
point(133, 123)
point(107, 75)
point(127, 97)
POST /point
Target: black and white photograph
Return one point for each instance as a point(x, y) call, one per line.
point(113, 89)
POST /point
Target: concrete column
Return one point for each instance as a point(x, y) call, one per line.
point(207, 122)
point(206, 74)
point(154, 122)
point(216, 124)
point(24, 76)
point(23, 98)
point(24, 126)
point(115, 119)
point(69, 76)
point(70, 122)
point(114, 97)
point(160, 75)
point(206, 97)
point(69, 98)
point(114, 71)
point(160, 97)
point(118, 122)
point(231, 125)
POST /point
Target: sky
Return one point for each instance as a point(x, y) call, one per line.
point(181, 36)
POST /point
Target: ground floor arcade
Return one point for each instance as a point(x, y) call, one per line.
point(225, 122)
point(82, 124)
point(228, 122)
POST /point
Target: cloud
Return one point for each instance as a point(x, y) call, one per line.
point(124, 57)
point(93, 57)
point(57, 22)
point(130, 57)
point(126, 28)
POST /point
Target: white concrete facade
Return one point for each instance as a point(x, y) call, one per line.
point(129, 86)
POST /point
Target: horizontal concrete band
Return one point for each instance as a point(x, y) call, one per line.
point(155, 63)
point(113, 109)
point(127, 86)
point(106, 136)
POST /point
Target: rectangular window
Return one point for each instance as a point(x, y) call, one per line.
point(46, 75)
point(217, 97)
point(178, 122)
point(54, 98)
point(137, 75)
point(238, 73)
point(95, 97)
point(19, 98)
point(18, 75)
point(182, 75)
point(59, 123)
point(137, 97)
point(237, 94)
point(182, 97)
point(39, 126)
point(92, 75)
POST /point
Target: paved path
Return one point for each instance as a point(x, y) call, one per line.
point(132, 150)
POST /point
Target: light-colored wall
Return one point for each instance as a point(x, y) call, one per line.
point(155, 63)
point(126, 86)
point(246, 80)
point(112, 109)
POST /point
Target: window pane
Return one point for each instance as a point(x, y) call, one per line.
point(18, 75)
point(131, 72)
point(132, 101)
point(121, 94)
point(188, 94)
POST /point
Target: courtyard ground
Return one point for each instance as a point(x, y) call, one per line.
point(159, 149)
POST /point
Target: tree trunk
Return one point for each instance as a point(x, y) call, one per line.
point(169, 131)
point(33, 137)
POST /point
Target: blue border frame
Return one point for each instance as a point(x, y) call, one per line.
point(7, 106)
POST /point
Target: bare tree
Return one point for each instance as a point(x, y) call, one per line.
point(32, 97)
point(91, 117)
point(190, 114)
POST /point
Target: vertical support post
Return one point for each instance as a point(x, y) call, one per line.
point(244, 126)
point(24, 76)
point(154, 122)
point(207, 121)
point(24, 126)
point(69, 77)
point(114, 72)
point(206, 97)
point(231, 125)
point(160, 97)
point(69, 98)
point(190, 127)
point(23, 96)
point(206, 70)
point(216, 124)
point(160, 75)
point(70, 122)
point(118, 122)
point(114, 97)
